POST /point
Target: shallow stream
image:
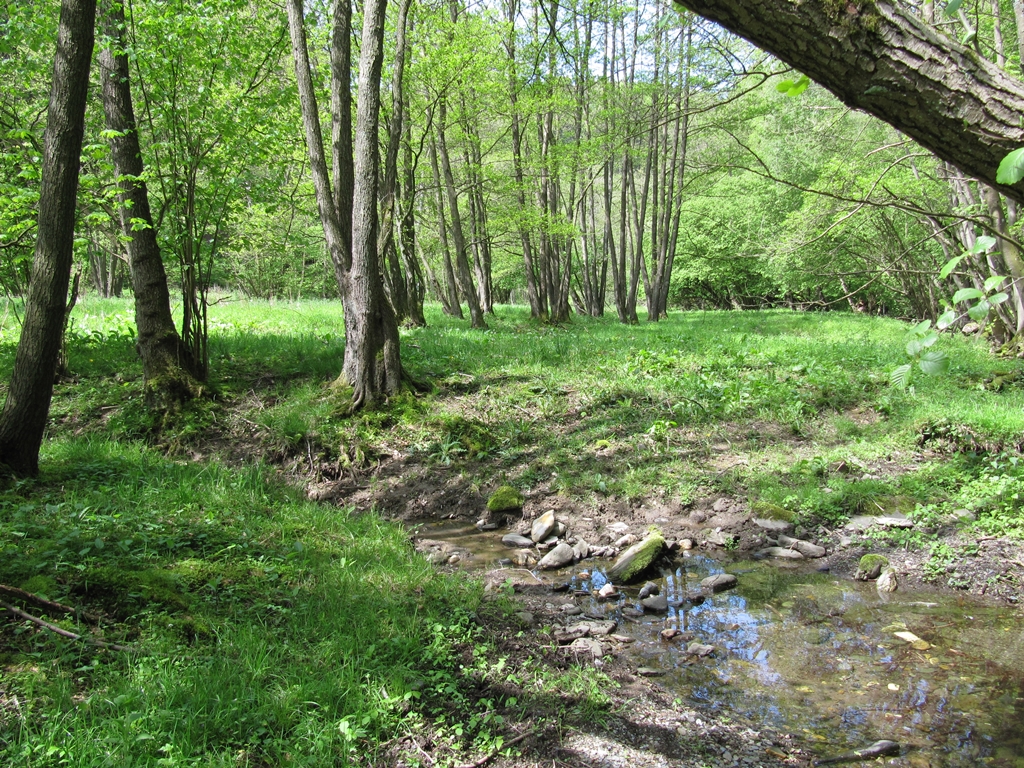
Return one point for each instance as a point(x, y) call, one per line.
point(813, 654)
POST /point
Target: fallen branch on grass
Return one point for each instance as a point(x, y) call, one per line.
point(61, 631)
point(495, 753)
point(50, 607)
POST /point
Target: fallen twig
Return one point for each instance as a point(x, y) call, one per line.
point(61, 631)
point(495, 752)
point(50, 606)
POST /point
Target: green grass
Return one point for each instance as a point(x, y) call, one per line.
point(269, 630)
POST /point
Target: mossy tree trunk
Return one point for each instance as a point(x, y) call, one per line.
point(171, 373)
point(25, 411)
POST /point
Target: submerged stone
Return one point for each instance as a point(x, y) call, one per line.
point(719, 582)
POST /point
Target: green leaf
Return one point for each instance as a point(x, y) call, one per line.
point(998, 298)
point(979, 311)
point(934, 361)
point(929, 339)
point(947, 319)
point(1011, 168)
point(914, 347)
point(966, 294)
point(794, 87)
point(982, 244)
point(950, 265)
point(993, 282)
point(953, 6)
point(900, 377)
point(922, 328)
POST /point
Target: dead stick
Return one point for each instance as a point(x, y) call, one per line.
point(42, 602)
point(494, 754)
point(63, 632)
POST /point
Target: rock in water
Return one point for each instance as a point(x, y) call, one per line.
point(582, 549)
point(887, 581)
point(561, 555)
point(719, 582)
point(648, 589)
point(870, 567)
point(543, 526)
point(656, 603)
point(638, 558)
point(516, 540)
point(781, 552)
point(878, 749)
point(805, 548)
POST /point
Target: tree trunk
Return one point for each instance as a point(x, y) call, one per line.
point(372, 366)
point(25, 411)
point(168, 366)
point(880, 58)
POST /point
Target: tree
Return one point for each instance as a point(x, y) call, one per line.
point(169, 367)
point(881, 58)
point(28, 400)
point(372, 366)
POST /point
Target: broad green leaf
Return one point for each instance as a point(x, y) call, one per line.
point(946, 320)
point(914, 347)
point(998, 298)
point(993, 282)
point(979, 311)
point(950, 265)
point(929, 339)
point(953, 6)
point(982, 244)
point(784, 86)
point(966, 294)
point(794, 87)
point(922, 328)
point(901, 376)
point(1011, 168)
point(934, 361)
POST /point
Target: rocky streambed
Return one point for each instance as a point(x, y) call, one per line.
point(753, 623)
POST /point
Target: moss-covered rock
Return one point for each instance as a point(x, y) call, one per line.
point(870, 566)
point(637, 559)
point(769, 511)
point(505, 499)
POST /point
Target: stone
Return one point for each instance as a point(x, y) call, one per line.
point(560, 530)
point(625, 541)
point(719, 582)
point(570, 633)
point(582, 549)
point(505, 499)
point(516, 540)
point(722, 505)
point(773, 526)
point(870, 567)
point(588, 645)
point(965, 515)
point(454, 559)
point(887, 581)
point(608, 590)
point(523, 558)
point(543, 526)
point(558, 557)
point(781, 552)
point(668, 634)
point(622, 638)
point(571, 610)
point(526, 617)
point(805, 548)
point(648, 589)
point(637, 559)
point(686, 544)
point(892, 521)
point(605, 627)
point(699, 649)
point(618, 528)
point(655, 603)
point(486, 525)
point(719, 539)
point(649, 672)
point(633, 613)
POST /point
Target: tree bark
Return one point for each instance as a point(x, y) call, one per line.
point(25, 411)
point(880, 58)
point(372, 366)
point(168, 366)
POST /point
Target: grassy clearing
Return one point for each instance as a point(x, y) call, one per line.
point(269, 630)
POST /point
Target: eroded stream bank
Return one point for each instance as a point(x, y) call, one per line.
point(807, 651)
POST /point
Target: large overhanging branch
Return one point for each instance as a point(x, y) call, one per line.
point(882, 59)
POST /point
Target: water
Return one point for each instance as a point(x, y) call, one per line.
point(818, 656)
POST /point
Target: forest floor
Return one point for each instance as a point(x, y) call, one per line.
point(250, 545)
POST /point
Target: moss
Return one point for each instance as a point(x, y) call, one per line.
point(44, 586)
point(870, 561)
point(504, 499)
point(638, 558)
point(769, 511)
